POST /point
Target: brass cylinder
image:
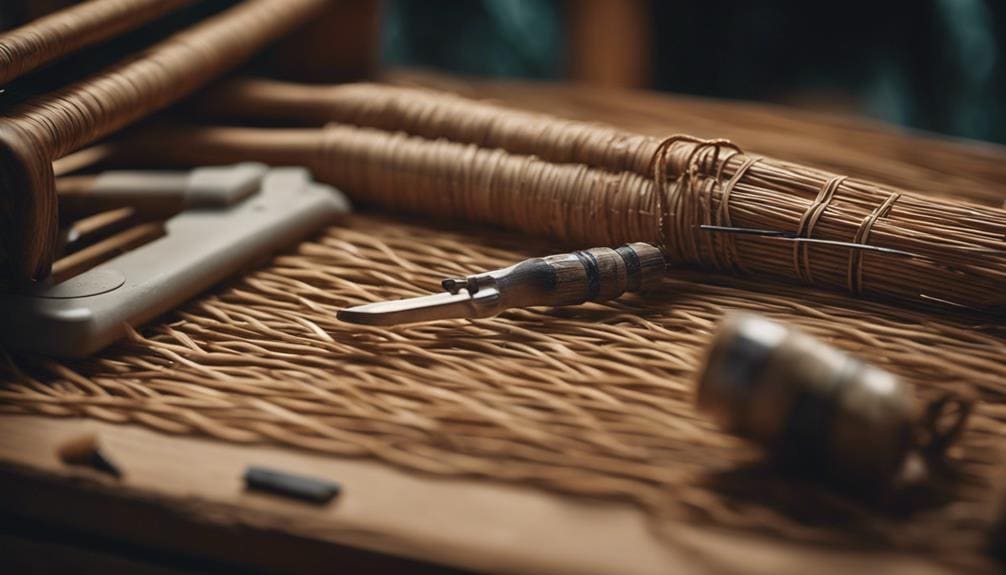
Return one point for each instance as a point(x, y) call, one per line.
point(810, 404)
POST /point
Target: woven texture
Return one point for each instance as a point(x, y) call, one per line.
point(593, 400)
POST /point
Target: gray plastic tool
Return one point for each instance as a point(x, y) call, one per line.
point(166, 193)
point(89, 311)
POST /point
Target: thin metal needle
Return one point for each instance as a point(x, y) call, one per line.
point(789, 236)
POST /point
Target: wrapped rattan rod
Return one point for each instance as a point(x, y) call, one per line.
point(431, 114)
point(46, 127)
point(955, 261)
point(49, 38)
point(720, 165)
point(437, 114)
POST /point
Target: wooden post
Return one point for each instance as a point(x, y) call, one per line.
point(609, 42)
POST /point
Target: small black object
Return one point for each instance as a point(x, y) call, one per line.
point(85, 450)
point(290, 485)
point(104, 464)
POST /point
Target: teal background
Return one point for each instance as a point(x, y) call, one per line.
point(929, 64)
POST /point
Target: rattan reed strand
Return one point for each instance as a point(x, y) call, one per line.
point(46, 127)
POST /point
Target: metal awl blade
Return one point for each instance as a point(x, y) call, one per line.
point(424, 308)
point(597, 274)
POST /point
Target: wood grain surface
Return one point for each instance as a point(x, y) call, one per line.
point(183, 496)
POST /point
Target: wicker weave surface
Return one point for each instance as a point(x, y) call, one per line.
point(589, 401)
point(594, 400)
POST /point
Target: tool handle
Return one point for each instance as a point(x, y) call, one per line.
point(597, 274)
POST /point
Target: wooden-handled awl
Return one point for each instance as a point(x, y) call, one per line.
point(597, 274)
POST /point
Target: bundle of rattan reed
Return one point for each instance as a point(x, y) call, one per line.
point(433, 153)
point(42, 129)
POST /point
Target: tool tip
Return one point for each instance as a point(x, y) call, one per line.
point(362, 317)
point(424, 308)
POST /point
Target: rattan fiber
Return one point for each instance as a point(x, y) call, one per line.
point(593, 400)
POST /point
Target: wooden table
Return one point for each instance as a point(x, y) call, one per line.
point(181, 506)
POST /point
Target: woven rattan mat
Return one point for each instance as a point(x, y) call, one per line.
point(594, 400)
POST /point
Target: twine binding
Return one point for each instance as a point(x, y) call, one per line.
point(863, 237)
point(805, 229)
point(728, 242)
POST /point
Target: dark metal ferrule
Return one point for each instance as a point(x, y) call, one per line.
point(633, 268)
point(589, 263)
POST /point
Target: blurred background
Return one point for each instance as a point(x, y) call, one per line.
point(930, 64)
point(933, 65)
